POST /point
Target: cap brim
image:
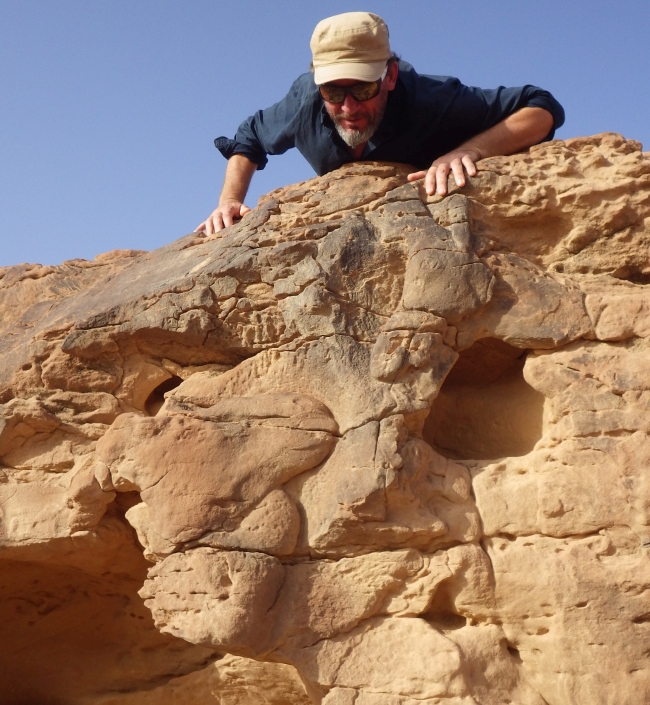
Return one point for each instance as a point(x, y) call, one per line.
point(355, 71)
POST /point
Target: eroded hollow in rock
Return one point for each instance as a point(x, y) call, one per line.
point(442, 612)
point(486, 409)
point(636, 275)
point(67, 634)
point(157, 398)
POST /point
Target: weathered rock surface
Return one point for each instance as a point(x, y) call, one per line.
point(366, 448)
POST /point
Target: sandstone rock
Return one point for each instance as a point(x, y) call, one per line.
point(376, 448)
point(233, 473)
point(73, 626)
point(232, 680)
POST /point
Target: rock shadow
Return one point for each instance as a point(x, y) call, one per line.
point(486, 409)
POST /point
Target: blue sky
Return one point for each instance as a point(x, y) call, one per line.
point(108, 109)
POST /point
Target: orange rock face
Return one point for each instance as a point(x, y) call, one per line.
point(365, 448)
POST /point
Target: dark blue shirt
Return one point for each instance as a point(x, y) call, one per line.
point(426, 117)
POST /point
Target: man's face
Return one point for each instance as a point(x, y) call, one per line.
point(356, 121)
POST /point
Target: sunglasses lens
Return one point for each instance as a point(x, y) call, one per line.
point(332, 94)
point(359, 91)
point(364, 91)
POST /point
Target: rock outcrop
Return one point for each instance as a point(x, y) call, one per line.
point(366, 448)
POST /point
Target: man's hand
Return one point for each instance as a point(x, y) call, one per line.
point(239, 173)
point(225, 214)
point(458, 161)
point(518, 131)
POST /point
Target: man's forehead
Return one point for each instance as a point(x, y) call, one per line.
point(343, 82)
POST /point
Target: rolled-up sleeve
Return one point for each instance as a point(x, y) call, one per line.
point(269, 131)
point(229, 147)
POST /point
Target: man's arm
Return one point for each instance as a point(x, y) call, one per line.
point(522, 129)
point(239, 173)
point(269, 131)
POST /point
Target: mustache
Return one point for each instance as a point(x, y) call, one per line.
point(354, 137)
point(340, 117)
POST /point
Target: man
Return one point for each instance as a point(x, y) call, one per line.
point(362, 103)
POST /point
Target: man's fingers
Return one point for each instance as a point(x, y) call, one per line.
point(430, 181)
point(417, 175)
point(469, 165)
point(222, 217)
point(216, 223)
point(436, 178)
point(459, 174)
point(227, 219)
point(442, 173)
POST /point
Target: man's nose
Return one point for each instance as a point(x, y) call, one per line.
point(350, 105)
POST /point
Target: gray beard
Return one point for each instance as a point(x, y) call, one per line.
point(353, 138)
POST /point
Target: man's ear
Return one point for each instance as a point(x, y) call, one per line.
point(391, 75)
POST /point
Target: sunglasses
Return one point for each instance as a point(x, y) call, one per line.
point(362, 91)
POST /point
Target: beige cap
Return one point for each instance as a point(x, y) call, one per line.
point(352, 45)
